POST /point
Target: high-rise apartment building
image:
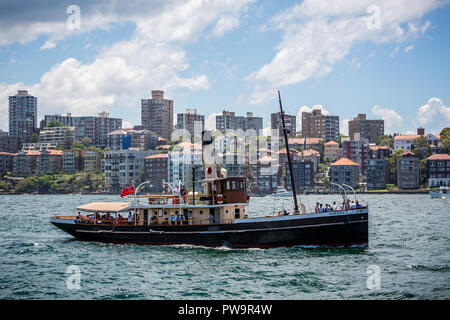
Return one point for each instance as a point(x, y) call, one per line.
point(318, 125)
point(368, 129)
point(22, 115)
point(228, 120)
point(187, 121)
point(289, 121)
point(157, 114)
point(93, 127)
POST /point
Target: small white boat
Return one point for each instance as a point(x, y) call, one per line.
point(281, 192)
point(444, 192)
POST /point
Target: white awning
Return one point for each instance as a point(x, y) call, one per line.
point(105, 206)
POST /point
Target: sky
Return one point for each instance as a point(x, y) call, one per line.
point(386, 58)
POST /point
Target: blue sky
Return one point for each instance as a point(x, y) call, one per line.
point(234, 56)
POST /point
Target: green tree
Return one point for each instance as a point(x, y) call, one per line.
point(385, 140)
point(34, 138)
point(68, 140)
point(393, 163)
point(54, 123)
point(445, 138)
point(86, 141)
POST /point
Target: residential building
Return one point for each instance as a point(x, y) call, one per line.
point(303, 172)
point(357, 151)
point(345, 171)
point(24, 163)
point(311, 155)
point(157, 114)
point(182, 159)
point(92, 161)
point(318, 125)
point(377, 174)
point(132, 138)
point(379, 152)
point(49, 161)
point(156, 172)
point(4, 133)
point(408, 171)
point(93, 127)
point(438, 170)
point(266, 175)
point(305, 143)
point(289, 121)
point(332, 151)
point(32, 162)
point(229, 121)
point(39, 146)
point(404, 141)
point(73, 160)
point(6, 162)
point(57, 135)
point(9, 144)
point(22, 115)
point(123, 168)
point(188, 121)
point(367, 129)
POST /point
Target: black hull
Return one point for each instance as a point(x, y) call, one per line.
point(333, 230)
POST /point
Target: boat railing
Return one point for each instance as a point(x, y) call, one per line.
point(166, 221)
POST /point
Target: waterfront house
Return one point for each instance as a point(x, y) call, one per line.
point(438, 170)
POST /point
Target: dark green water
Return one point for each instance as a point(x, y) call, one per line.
point(409, 243)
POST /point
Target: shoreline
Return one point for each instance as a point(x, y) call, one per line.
point(255, 195)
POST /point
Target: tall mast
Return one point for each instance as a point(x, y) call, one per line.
point(288, 155)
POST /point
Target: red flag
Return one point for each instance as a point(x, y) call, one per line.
point(126, 191)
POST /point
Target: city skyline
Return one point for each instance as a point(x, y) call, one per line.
point(235, 59)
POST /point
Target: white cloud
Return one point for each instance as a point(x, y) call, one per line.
point(409, 48)
point(394, 53)
point(434, 115)
point(344, 127)
point(317, 34)
point(125, 72)
point(210, 122)
point(392, 120)
point(48, 45)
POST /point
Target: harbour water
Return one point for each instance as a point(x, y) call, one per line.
point(409, 253)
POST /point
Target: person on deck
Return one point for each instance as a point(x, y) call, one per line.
point(335, 207)
point(172, 219)
point(358, 205)
point(130, 218)
point(317, 209)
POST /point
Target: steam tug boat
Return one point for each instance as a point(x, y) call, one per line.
point(217, 217)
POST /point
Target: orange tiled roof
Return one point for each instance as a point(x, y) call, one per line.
point(331, 143)
point(310, 152)
point(379, 148)
point(345, 162)
point(406, 137)
point(158, 156)
point(302, 140)
point(442, 156)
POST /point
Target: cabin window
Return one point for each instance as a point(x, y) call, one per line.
point(237, 213)
point(201, 211)
point(165, 213)
point(233, 185)
point(226, 211)
point(228, 185)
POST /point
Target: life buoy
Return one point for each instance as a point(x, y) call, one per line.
point(219, 198)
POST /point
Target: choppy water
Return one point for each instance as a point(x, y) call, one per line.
point(409, 243)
